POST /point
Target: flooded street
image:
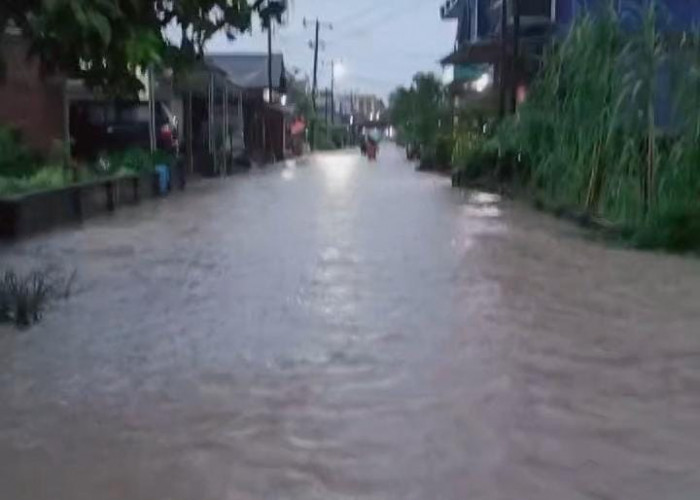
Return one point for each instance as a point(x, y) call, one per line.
point(335, 329)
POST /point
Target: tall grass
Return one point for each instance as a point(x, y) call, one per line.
point(591, 133)
point(25, 297)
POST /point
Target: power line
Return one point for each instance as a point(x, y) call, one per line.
point(371, 79)
point(347, 45)
point(385, 18)
point(373, 15)
point(355, 16)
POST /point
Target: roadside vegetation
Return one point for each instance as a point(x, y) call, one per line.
point(23, 171)
point(423, 120)
point(593, 136)
point(609, 133)
point(25, 297)
point(107, 40)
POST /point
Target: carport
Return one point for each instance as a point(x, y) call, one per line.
point(213, 120)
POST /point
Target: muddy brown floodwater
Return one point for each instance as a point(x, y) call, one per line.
point(341, 330)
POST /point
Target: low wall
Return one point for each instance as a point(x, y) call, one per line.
point(32, 213)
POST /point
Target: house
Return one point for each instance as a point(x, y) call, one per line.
point(477, 59)
point(49, 110)
point(221, 103)
point(30, 102)
point(212, 125)
point(266, 118)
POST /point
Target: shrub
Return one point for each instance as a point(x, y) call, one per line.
point(134, 160)
point(47, 178)
point(593, 137)
point(16, 160)
point(677, 230)
point(474, 157)
point(24, 298)
point(428, 158)
point(444, 148)
point(329, 137)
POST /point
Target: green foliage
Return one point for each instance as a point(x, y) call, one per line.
point(302, 100)
point(330, 137)
point(134, 160)
point(473, 157)
point(131, 161)
point(52, 177)
point(677, 229)
point(104, 42)
point(444, 148)
point(589, 130)
point(15, 158)
point(420, 113)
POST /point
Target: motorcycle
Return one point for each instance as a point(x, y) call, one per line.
point(372, 151)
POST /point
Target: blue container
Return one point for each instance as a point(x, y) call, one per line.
point(163, 172)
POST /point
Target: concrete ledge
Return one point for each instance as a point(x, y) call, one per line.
point(31, 213)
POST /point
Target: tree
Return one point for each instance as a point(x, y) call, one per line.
point(419, 112)
point(104, 42)
point(401, 113)
point(430, 100)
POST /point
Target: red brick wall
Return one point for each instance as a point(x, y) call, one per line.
point(28, 102)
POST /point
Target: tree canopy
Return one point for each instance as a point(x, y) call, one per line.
point(417, 111)
point(105, 41)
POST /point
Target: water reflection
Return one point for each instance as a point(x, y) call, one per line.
point(289, 170)
point(338, 171)
point(264, 339)
point(483, 198)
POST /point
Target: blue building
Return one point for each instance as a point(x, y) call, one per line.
point(479, 19)
point(477, 54)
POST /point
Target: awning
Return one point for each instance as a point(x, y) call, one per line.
point(480, 52)
point(488, 50)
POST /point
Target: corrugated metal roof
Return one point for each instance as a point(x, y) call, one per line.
point(250, 70)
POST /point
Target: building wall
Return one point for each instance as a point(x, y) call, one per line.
point(673, 15)
point(28, 102)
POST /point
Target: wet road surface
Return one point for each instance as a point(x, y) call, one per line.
point(338, 330)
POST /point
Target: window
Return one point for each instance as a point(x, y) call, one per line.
point(536, 8)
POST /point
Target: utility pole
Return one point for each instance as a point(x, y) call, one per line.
point(503, 58)
point(151, 109)
point(315, 45)
point(314, 88)
point(269, 59)
point(352, 117)
point(333, 91)
point(333, 63)
point(515, 67)
point(269, 80)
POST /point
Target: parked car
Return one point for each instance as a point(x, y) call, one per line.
point(99, 127)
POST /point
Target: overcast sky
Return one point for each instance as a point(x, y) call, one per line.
point(381, 43)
